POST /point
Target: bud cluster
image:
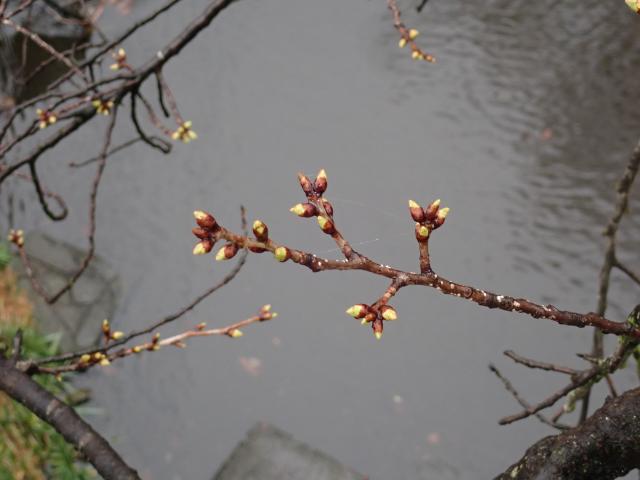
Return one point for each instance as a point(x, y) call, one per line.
point(45, 118)
point(427, 219)
point(318, 206)
point(97, 357)
point(408, 37)
point(207, 227)
point(110, 334)
point(374, 315)
point(184, 132)
point(317, 187)
point(266, 313)
point(16, 237)
point(103, 106)
point(120, 58)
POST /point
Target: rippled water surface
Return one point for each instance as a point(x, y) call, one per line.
point(522, 128)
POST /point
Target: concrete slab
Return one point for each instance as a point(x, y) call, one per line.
point(271, 454)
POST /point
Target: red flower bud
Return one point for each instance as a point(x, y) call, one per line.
point(261, 231)
point(305, 210)
point(432, 210)
point(417, 213)
point(327, 206)
point(205, 220)
point(377, 328)
point(321, 182)
point(227, 252)
point(305, 183)
point(326, 225)
point(201, 233)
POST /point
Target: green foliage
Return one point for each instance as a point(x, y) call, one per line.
point(5, 256)
point(30, 448)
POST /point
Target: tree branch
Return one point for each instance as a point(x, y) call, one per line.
point(605, 446)
point(65, 421)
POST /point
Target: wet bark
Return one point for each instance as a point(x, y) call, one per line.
point(605, 446)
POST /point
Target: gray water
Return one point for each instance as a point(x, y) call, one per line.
point(522, 128)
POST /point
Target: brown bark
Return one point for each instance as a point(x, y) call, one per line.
point(605, 446)
point(65, 421)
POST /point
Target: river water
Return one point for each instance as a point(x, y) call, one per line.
point(522, 127)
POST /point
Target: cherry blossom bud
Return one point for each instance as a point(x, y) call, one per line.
point(321, 182)
point(106, 328)
point(16, 237)
point(368, 318)
point(432, 210)
point(417, 213)
point(227, 252)
point(203, 247)
point(205, 220)
point(402, 43)
point(327, 206)
point(633, 5)
point(282, 254)
point(422, 232)
point(441, 216)
point(326, 225)
point(304, 210)
point(388, 313)
point(235, 333)
point(200, 233)
point(359, 310)
point(260, 230)
point(117, 335)
point(377, 328)
point(413, 34)
point(305, 183)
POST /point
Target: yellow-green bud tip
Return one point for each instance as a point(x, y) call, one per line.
point(436, 203)
point(402, 43)
point(378, 335)
point(199, 249)
point(423, 231)
point(322, 221)
point(354, 311)
point(235, 333)
point(258, 225)
point(104, 362)
point(389, 314)
point(443, 212)
point(117, 335)
point(413, 204)
point(633, 5)
point(220, 255)
point(322, 174)
point(297, 209)
point(413, 34)
point(281, 254)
